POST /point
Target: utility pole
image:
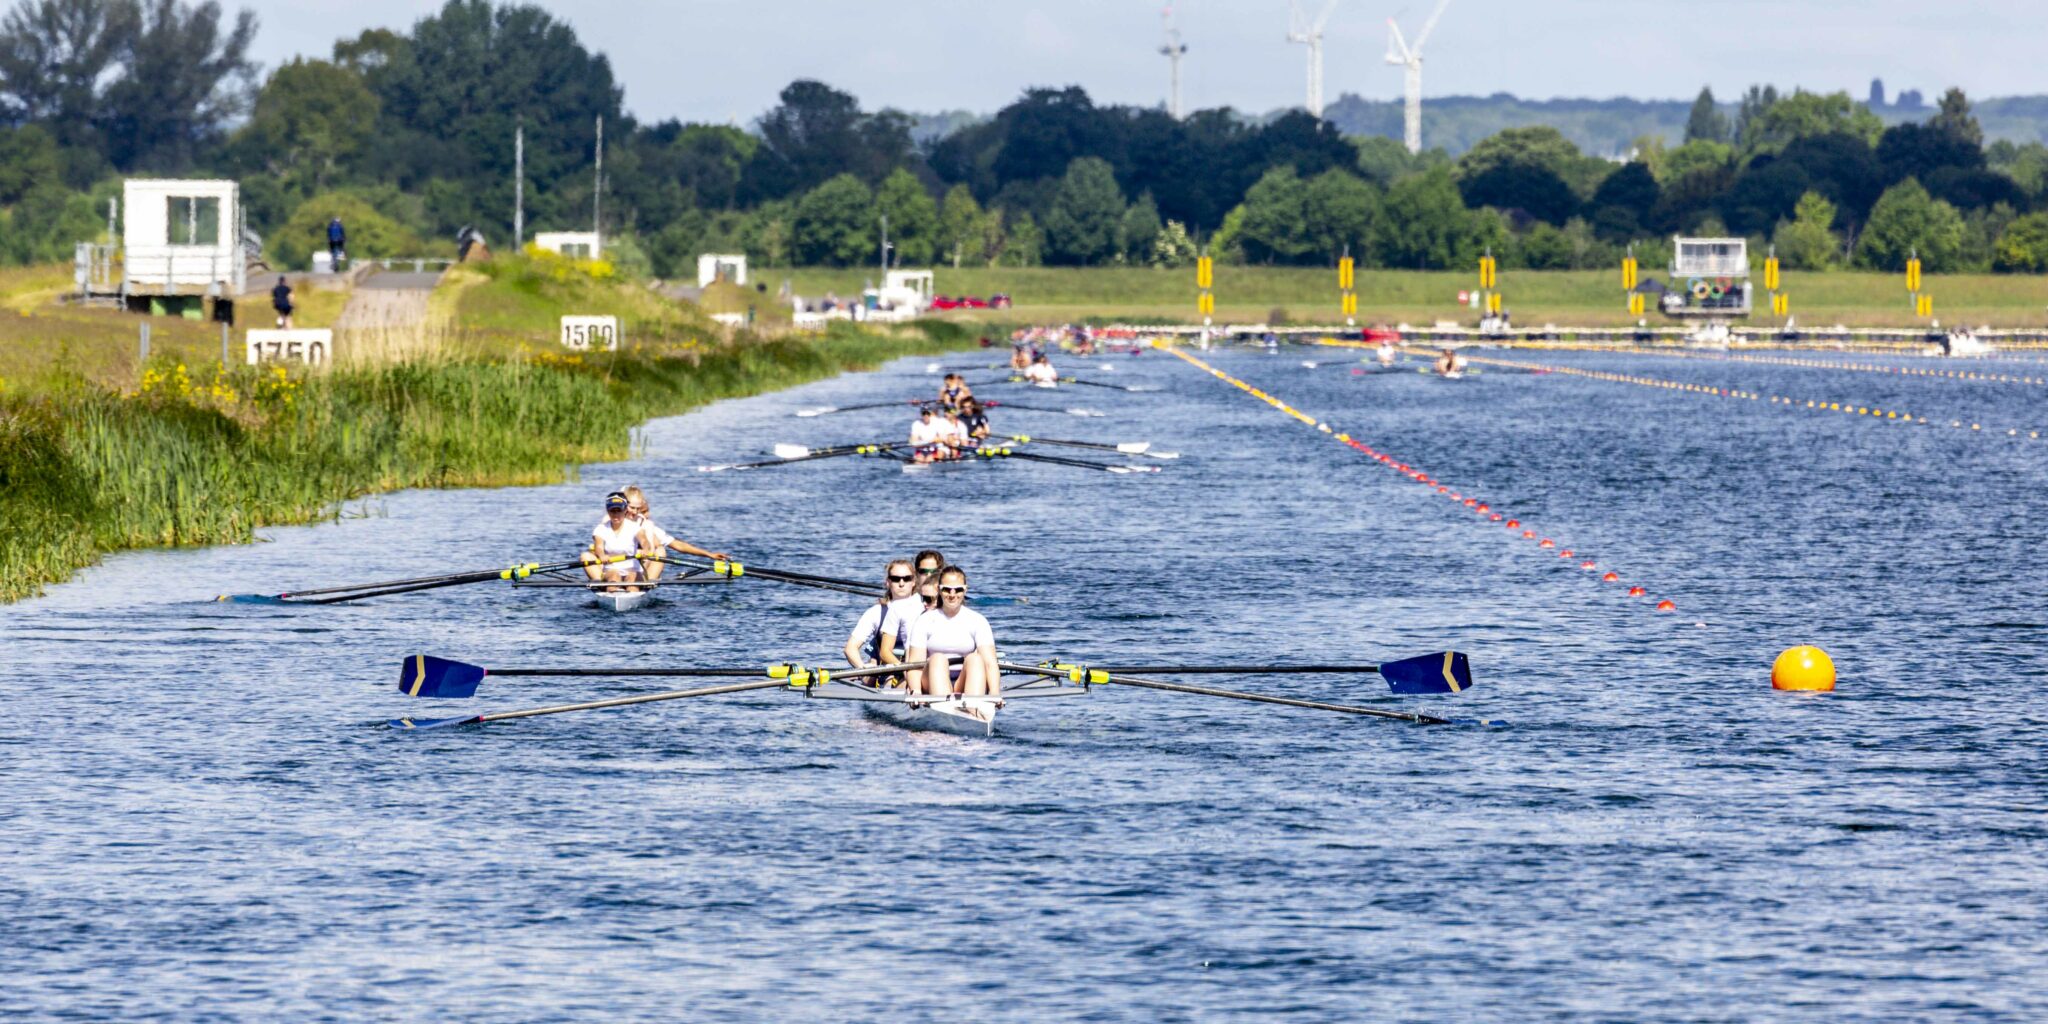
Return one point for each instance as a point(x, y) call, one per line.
point(885, 245)
point(597, 188)
point(519, 186)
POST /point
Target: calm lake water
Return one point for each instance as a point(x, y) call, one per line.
point(204, 817)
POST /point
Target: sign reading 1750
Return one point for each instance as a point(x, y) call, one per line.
point(583, 333)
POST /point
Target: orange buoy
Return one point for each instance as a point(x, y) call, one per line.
point(1612, 577)
point(1803, 668)
point(1666, 605)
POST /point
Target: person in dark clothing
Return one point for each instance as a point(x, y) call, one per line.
point(337, 242)
point(281, 300)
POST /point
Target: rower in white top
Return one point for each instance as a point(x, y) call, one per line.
point(876, 636)
point(951, 646)
point(658, 540)
point(930, 437)
point(1041, 374)
point(615, 544)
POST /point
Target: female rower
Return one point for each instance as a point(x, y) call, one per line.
point(1041, 372)
point(615, 544)
point(953, 645)
point(957, 437)
point(974, 420)
point(954, 391)
point(928, 564)
point(1448, 363)
point(657, 539)
point(1020, 359)
point(871, 643)
point(928, 437)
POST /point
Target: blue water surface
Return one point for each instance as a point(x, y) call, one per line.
point(204, 817)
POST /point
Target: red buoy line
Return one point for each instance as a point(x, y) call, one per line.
point(1469, 502)
point(1894, 416)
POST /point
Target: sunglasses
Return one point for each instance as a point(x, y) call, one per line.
point(952, 590)
point(901, 579)
point(922, 571)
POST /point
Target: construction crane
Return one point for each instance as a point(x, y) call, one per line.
point(1410, 57)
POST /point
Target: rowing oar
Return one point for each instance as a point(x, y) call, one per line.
point(1126, 447)
point(821, 410)
point(794, 677)
point(883, 450)
point(1443, 672)
point(1071, 410)
point(1006, 453)
point(362, 590)
point(1069, 380)
point(733, 570)
point(1096, 677)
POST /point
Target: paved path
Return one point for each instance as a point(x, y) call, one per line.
point(389, 299)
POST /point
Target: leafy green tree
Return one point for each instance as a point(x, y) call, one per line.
point(185, 75)
point(371, 232)
point(1754, 103)
point(2023, 248)
point(1906, 220)
point(1954, 118)
point(1539, 146)
point(28, 157)
point(1140, 228)
point(1807, 241)
point(913, 218)
point(1174, 247)
point(1842, 167)
point(1919, 150)
point(1275, 228)
point(57, 60)
point(1982, 228)
point(817, 132)
point(1543, 247)
point(1023, 242)
point(1623, 201)
point(1343, 213)
point(959, 225)
point(1804, 113)
point(1530, 188)
point(1706, 122)
point(1425, 226)
point(1694, 157)
point(1081, 224)
point(835, 224)
point(47, 223)
point(311, 119)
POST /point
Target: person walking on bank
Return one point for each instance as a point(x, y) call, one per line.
point(337, 243)
point(281, 300)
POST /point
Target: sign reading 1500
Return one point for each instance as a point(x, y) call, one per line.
point(584, 333)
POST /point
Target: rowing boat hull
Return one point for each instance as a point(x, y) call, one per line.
point(960, 716)
point(621, 601)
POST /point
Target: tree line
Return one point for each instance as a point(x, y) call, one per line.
point(407, 135)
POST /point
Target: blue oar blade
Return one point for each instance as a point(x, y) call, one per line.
point(250, 599)
point(416, 724)
point(424, 675)
point(1431, 673)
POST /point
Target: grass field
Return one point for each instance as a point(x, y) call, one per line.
point(1588, 298)
point(99, 452)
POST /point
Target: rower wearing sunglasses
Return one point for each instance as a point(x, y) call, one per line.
point(615, 544)
point(952, 645)
point(875, 636)
point(658, 540)
point(929, 437)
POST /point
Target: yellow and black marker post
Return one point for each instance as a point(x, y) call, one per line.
point(1347, 282)
point(1630, 278)
point(1781, 304)
point(1489, 283)
point(1923, 304)
point(1205, 279)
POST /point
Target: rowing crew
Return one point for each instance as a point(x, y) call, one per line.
point(627, 547)
point(942, 433)
point(947, 648)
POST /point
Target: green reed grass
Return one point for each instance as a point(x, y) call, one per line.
point(85, 471)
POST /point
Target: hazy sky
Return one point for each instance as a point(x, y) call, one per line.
point(709, 61)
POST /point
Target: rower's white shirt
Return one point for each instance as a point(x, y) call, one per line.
point(1042, 373)
point(957, 431)
point(897, 618)
point(657, 538)
point(963, 632)
point(623, 541)
point(869, 632)
point(922, 433)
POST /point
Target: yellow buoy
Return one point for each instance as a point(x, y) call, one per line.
point(1803, 668)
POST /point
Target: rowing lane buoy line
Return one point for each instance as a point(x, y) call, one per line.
point(1470, 503)
point(1820, 364)
point(1817, 405)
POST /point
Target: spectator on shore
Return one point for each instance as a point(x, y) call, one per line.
point(337, 242)
point(281, 300)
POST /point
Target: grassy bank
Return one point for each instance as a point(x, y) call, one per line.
point(1309, 294)
point(194, 453)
